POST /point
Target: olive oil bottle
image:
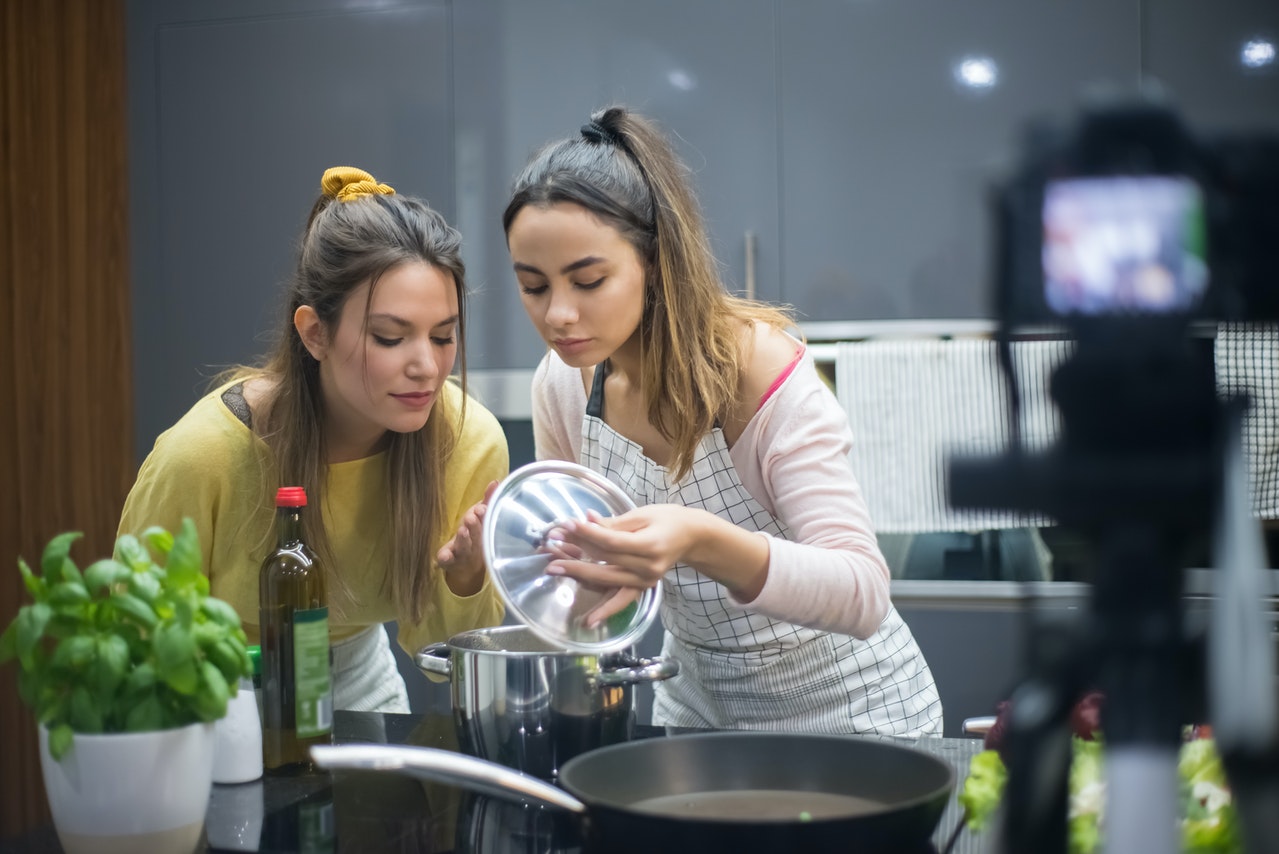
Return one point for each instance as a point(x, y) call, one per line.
point(297, 687)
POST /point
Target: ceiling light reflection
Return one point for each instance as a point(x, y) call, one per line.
point(681, 80)
point(1257, 53)
point(977, 72)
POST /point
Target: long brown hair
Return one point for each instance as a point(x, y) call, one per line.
point(345, 244)
point(624, 170)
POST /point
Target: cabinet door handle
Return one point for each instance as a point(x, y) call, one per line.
point(750, 265)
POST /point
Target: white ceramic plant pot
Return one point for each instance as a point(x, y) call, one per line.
point(131, 792)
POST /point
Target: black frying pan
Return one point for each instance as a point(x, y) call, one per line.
point(730, 792)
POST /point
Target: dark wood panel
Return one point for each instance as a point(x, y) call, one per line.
point(65, 376)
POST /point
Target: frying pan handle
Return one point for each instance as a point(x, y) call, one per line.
point(644, 670)
point(434, 658)
point(446, 766)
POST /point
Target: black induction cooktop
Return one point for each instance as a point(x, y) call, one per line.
point(379, 812)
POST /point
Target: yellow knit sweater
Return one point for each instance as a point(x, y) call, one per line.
point(206, 467)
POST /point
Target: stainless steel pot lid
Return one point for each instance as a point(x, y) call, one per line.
point(520, 540)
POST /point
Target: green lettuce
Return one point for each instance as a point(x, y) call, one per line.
point(983, 788)
point(1209, 823)
point(1087, 791)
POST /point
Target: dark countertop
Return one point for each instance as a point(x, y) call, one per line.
point(366, 811)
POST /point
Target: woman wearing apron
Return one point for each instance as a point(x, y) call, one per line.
point(355, 404)
point(714, 420)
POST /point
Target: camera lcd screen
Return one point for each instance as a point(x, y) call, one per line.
point(1124, 245)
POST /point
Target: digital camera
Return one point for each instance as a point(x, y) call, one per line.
point(1127, 214)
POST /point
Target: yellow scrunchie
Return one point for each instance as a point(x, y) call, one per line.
point(346, 183)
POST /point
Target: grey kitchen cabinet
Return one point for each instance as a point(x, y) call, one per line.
point(528, 73)
point(887, 154)
point(236, 109)
point(829, 140)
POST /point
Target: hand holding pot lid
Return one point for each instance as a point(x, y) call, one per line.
point(524, 531)
point(634, 551)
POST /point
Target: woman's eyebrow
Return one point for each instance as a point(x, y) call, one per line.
point(576, 265)
point(399, 321)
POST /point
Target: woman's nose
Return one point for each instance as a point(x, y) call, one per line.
point(422, 361)
point(561, 310)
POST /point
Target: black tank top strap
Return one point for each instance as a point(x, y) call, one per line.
point(595, 404)
point(233, 399)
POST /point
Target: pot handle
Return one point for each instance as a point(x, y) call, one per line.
point(434, 658)
point(644, 670)
point(446, 766)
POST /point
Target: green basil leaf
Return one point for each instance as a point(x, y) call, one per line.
point(56, 552)
point(160, 539)
point(184, 611)
point(51, 709)
point(113, 661)
point(35, 584)
point(221, 611)
point(145, 716)
point(211, 702)
point(84, 711)
point(175, 658)
point(208, 631)
point(135, 609)
point(145, 586)
point(163, 606)
point(226, 656)
point(183, 678)
point(31, 622)
point(130, 552)
point(74, 652)
point(68, 593)
point(69, 622)
point(60, 738)
point(141, 678)
point(105, 573)
point(70, 573)
point(183, 564)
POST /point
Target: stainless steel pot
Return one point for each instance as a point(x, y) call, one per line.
point(522, 702)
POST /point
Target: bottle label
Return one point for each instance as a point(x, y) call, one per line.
point(313, 686)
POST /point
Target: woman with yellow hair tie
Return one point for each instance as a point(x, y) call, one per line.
point(355, 404)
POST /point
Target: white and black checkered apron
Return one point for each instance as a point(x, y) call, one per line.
point(741, 669)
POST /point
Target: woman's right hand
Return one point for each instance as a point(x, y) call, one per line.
point(462, 557)
point(638, 547)
point(634, 549)
point(617, 597)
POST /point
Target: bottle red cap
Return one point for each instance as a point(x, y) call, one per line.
point(290, 496)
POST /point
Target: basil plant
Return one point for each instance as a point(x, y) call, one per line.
point(127, 645)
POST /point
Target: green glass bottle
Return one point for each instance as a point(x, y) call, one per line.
point(297, 687)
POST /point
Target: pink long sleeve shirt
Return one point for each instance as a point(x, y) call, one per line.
point(793, 458)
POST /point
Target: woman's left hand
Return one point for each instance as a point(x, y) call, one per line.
point(462, 558)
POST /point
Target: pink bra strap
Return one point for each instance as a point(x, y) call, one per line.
point(781, 378)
